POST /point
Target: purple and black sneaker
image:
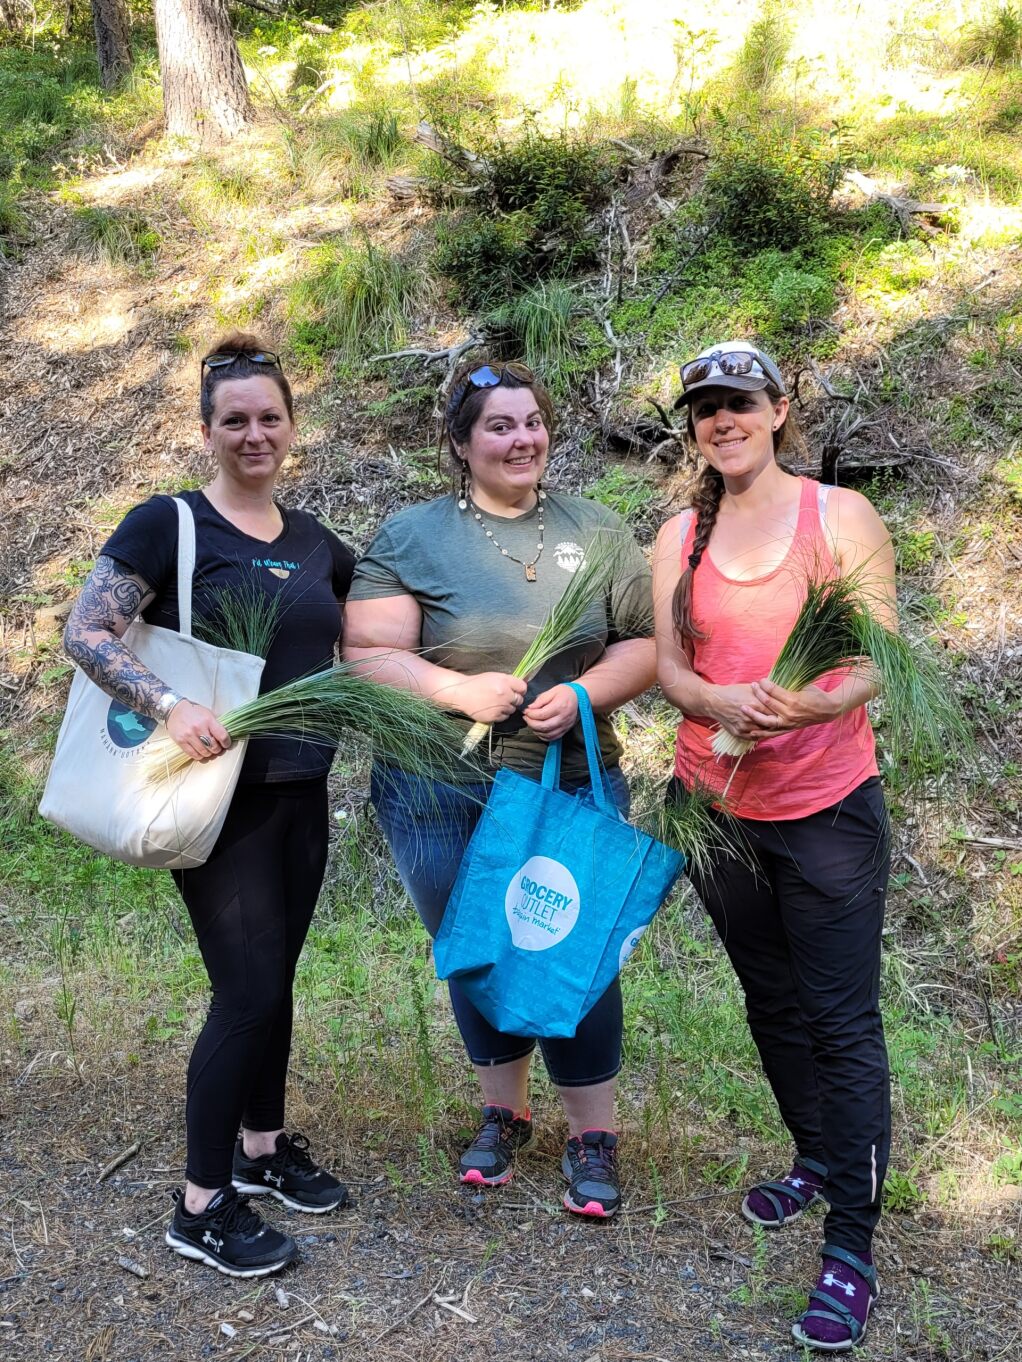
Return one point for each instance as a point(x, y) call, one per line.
point(840, 1302)
point(774, 1204)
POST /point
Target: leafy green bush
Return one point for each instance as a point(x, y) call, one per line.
point(770, 184)
point(541, 194)
point(356, 299)
point(762, 55)
point(484, 257)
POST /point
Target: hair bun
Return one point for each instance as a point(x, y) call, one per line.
point(244, 342)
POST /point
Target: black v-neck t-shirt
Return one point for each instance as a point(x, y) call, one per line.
point(306, 568)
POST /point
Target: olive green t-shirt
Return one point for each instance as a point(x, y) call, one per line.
point(479, 613)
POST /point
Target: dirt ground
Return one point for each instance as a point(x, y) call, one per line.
point(419, 1267)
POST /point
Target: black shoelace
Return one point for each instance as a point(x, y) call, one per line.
point(598, 1158)
point(294, 1155)
point(493, 1132)
point(236, 1216)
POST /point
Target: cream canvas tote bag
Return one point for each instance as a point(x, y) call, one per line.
point(96, 789)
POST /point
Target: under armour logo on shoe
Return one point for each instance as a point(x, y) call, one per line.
point(211, 1239)
point(795, 1182)
point(276, 1178)
point(846, 1287)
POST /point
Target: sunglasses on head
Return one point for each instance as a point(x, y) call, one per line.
point(729, 362)
point(222, 358)
point(486, 376)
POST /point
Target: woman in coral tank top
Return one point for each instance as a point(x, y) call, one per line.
point(801, 913)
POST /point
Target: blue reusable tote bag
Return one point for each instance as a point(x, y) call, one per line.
point(552, 896)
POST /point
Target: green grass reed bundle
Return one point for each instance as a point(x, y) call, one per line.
point(837, 627)
point(566, 625)
point(700, 832)
point(402, 727)
point(243, 618)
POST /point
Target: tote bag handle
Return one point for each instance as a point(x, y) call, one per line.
point(551, 778)
point(185, 565)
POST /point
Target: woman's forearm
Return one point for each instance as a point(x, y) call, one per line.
point(110, 600)
point(407, 670)
point(685, 690)
point(624, 671)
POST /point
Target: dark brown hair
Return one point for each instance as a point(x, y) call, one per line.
point(464, 403)
point(705, 501)
point(243, 343)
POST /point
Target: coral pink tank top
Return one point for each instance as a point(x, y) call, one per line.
point(796, 773)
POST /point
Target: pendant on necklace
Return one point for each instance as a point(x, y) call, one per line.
point(530, 572)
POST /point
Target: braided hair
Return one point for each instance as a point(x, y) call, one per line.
point(705, 501)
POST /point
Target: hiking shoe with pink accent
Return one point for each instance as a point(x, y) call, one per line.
point(590, 1165)
point(489, 1159)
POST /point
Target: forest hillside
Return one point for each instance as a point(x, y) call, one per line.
point(600, 187)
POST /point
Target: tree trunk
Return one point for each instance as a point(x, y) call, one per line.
point(113, 40)
point(205, 95)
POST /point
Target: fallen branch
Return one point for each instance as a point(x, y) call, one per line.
point(398, 1323)
point(119, 1161)
point(450, 356)
point(903, 209)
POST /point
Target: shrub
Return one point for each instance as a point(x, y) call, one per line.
point(485, 257)
point(763, 54)
point(770, 185)
point(356, 299)
point(541, 195)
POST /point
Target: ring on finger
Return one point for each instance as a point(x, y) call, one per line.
point(205, 740)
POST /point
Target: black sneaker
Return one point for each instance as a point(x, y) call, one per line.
point(590, 1165)
point(489, 1159)
point(290, 1175)
point(229, 1236)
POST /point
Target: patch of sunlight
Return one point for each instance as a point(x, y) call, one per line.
point(983, 223)
point(912, 91)
point(118, 186)
point(99, 318)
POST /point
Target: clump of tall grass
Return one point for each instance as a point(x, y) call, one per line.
point(571, 620)
point(122, 236)
point(356, 298)
point(342, 702)
point(837, 627)
point(537, 325)
point(995, 40)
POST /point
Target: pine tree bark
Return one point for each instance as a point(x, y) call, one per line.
point(113, 40)
point(205, 94)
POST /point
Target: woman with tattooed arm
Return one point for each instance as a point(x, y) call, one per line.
point(252, 901)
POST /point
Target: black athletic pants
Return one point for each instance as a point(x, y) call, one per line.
point(802, 927)
point(250, 905)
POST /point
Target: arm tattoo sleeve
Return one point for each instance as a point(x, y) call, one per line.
point(110, 600)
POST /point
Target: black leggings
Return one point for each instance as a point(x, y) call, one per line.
point(801, 923)
point(250, 905)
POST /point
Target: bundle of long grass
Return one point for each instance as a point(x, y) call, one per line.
point(243, 618)
point(566, 625)
point(700, 829)
point(838, 627)
point(402, 728)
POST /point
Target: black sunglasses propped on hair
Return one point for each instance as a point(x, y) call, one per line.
point(220, 359)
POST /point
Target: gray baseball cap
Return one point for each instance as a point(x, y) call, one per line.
point(731, 364)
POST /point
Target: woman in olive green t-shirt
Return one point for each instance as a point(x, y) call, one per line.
point(454, 590)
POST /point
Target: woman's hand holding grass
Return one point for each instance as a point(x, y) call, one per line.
point(188, 723)
point(551, 714)
point(776, 710)
point(488, 697)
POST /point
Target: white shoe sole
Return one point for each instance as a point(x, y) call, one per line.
point(198, 1255)
point(260, 1189)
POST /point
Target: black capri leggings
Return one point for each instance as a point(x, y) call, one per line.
point(250, 905)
